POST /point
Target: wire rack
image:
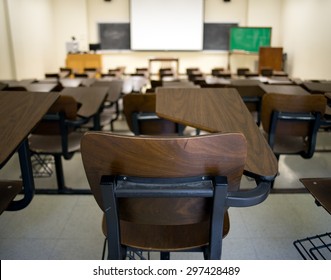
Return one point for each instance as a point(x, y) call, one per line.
point(317, 247)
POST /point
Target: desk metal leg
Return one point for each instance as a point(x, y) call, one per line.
point(27, 177)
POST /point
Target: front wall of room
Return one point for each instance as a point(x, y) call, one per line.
point(39, 30)
point(307, 38)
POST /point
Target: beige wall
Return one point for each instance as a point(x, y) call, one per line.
point(40, 28)
point(6, 57)
point(30, 25)
point(307, 38)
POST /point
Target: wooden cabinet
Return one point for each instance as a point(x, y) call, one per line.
point(77, 62)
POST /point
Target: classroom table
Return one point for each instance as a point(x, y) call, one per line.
point(71, 82)
point(320, 189)
point(219, 110)
point(279, 80)
point(41, 87)
point(283, 89)
point(91, 100)
point(317, 87)
point(20, 113)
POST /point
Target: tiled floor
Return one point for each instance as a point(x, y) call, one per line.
point(69, 226)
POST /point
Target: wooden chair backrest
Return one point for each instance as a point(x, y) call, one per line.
point(64, 104)
point(249, 91)
point(146, 103)
point(164, 223)
point(114, 88)
point(290, 103)
point(162, 157)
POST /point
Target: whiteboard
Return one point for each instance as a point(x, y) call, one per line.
point(170, 25)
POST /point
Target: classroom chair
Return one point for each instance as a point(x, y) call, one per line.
point(251, 94)
point(167, 194)
point(111, 108)
point(91, 72)
point(241, 71)
point(56, 135)
point(139, 112)
point(290, 122)
point(65, 72)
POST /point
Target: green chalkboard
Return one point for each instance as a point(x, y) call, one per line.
point(249, 39)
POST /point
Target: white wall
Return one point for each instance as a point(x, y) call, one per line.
point(40, 28)
point(6, 57)
point(215, 11)
point(30, 25)
point(307, 38)
point(70, 20)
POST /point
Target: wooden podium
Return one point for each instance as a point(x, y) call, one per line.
point(271, 58)
point(77, 62)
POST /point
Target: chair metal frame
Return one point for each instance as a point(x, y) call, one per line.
point(313, 118)
point(64, 125)
point(215, 187)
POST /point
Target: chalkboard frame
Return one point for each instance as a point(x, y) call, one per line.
point(216, 36)
point(249, 39)
point(114, 36)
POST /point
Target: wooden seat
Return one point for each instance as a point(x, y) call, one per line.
point(139, 111)
point(291, 122)
point(171, 192)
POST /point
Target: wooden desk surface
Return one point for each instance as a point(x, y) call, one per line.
point(284, 89)
point(20, 112)
point(218, 110)
point(41, 87)
point(71, 82)
point(90, 98)
point(320, 189)
point(318, 87)
point(163, 59)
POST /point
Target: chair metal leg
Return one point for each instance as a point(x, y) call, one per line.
point(59, 173)
point(104, 249)
point(116, 117)
point(165, 255)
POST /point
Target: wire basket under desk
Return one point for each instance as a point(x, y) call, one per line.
point(317, 247)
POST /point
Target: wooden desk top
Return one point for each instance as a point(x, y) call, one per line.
point(90, 98)
point(320, 189)
point(41, 87)
point(68, 82)
point(245, 82)
point(279, 80)
point(284, 89)
point(163, 59)
point(20, 112)
point(218, 110)
point(318, 87)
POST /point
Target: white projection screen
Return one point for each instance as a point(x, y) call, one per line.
point(166, 25)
